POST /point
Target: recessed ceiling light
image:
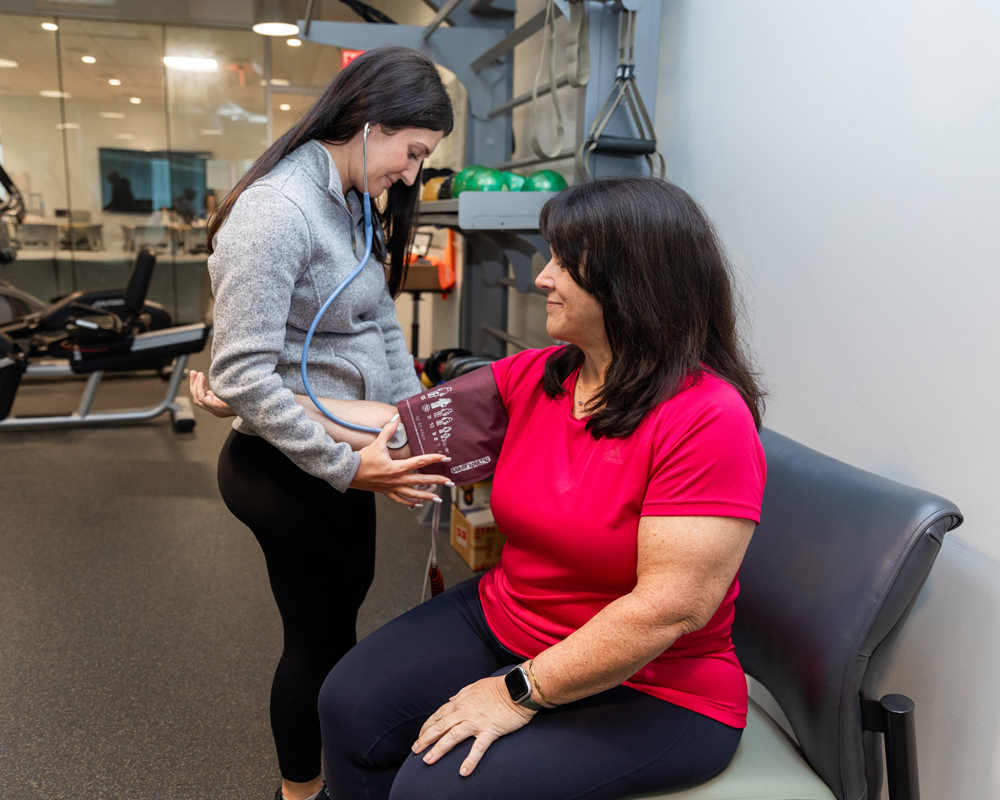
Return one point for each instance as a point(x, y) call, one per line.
point(294, 43)
point(210, 132)
point(68, 126)
point(112, 115)
point(54, 93)
point(88, 60)
point(115, 82)
point(124, 136)
point(50, 26)
point(276, 29)
point(6, 63)
point(135, 100)
point(191, 64)
point(285, 107)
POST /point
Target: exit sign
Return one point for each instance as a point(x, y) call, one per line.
point(347, 56)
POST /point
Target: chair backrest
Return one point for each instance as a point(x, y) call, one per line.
point(827, 582)
point(138, 281)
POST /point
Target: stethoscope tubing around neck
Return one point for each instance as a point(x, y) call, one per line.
point(369, 239)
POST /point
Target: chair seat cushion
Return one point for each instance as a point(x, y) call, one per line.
point(767, 766)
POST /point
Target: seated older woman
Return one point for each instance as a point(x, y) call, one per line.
point(595, 660)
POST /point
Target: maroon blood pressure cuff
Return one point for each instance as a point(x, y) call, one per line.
point(464, 419)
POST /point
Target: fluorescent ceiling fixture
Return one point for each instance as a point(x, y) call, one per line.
point(124, 136)
point(285, 107)
point(115, 82)
point(210, 132)
point(68, 126)
point(112, 115)
point(276, 29)
point(50, 26)
point(6, 63)
point(191, 64)
point(88, 60)
point(277, 82)
point(135, 100)
point(294, 43)
point(54, 93)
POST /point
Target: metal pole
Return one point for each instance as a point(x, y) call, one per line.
point(415, 327)
point(900, 747)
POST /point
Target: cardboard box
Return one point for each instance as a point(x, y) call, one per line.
point(476, 537)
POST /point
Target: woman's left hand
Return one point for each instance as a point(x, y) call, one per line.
point(482, 709)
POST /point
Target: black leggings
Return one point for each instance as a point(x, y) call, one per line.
point(618, 743)
point(319, 545)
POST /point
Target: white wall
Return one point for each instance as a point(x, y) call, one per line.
point(848, 153)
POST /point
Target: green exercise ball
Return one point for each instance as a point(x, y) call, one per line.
point(486, 179)
point(545, 180)
point(514, 181)
point(459, 184)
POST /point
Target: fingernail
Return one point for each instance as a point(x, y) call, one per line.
point(464, 771)
point(427, 758)
point(438, 500)
point(446, 458)
point(450, 483)
point(419, 505)
point(394, 418)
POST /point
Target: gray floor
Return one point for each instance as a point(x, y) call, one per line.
point(137, 631)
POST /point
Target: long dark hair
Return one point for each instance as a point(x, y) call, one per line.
point(649, 255)
point(394, 87)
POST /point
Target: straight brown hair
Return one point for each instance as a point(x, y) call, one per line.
point(394, 87)
point(649, 255)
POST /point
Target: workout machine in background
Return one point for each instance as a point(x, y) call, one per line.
point(98, 341)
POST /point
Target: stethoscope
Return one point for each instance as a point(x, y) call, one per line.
point(369, 239)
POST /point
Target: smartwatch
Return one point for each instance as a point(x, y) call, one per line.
point(399, 438)
point(519, 687)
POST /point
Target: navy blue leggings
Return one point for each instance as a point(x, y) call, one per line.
point(611, 745)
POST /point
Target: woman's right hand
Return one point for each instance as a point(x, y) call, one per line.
point(205, 398)
point(398, 480)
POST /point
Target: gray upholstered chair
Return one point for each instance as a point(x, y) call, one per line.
point(827, 583)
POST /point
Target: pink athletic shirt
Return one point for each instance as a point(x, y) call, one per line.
point(569, 505)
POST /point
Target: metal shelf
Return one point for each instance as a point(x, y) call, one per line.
point(486, 211)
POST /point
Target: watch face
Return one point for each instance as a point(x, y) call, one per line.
point(518, 684)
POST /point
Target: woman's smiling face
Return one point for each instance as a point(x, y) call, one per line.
point(395, 156)
point(572, 313)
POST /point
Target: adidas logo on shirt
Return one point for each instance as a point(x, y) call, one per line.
point(614, 455)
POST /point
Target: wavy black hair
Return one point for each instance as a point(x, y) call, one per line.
point(394, 87)
point(649, 255)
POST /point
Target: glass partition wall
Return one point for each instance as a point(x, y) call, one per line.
point(122, 135)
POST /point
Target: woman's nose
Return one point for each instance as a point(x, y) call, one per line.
point(545, 279)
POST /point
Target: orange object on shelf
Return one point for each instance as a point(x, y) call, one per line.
point(446, 267)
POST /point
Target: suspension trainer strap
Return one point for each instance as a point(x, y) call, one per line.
point(549, 47)
point(578, 45)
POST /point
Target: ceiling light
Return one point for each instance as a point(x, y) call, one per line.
point(50, 26)
point(68, 126)
point(275, 18)
point(210, 132)
point(54, 93)
point(124, 136)
point(88, 60)
point(115, 82)
point(112, 115)
point(285, 107)
point(6, 63)
point(191, 64)
point(277, 82)
point(294, 43)
point(135, 100)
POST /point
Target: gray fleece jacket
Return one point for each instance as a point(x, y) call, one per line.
point(289, 241)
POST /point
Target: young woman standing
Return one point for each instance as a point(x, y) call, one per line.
point(287, 235)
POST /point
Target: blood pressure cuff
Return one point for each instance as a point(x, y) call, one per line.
point(464, 419)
